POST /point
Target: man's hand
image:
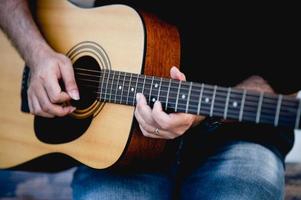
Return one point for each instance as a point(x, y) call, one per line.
point(156, 123)
point(45, 95)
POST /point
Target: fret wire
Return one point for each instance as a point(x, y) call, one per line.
point(143, 85)
point(135, 92)
point(122, 89)
point(150, 91)
point(200, 98)
point(176, 108)
point(242, 105)
point(227, 103)
point(112, 87)
point(167, 96)
point(278, 110)
point(129, 88)
point(102, 84)
point(106, 89)
point(259, 107)
point(212, 102)
point(159, 89)
point(117, 86)
point(156, 89)
point(188, 98)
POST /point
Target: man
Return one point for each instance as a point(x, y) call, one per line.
point(215, 160)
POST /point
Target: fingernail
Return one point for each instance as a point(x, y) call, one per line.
point(72, 109)
point(138, 96)
point(74, 94)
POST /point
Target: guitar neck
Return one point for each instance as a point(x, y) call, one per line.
point(199, 98)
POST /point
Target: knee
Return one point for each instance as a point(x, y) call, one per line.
point(239, 171)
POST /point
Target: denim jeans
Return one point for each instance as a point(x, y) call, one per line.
point(236, 170)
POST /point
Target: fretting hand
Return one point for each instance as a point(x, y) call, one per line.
point(156, 123)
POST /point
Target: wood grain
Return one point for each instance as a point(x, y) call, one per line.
point(134, 42)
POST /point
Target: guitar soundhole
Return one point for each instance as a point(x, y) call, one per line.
point(88, 59)
point(65, 129)
point(87, 73)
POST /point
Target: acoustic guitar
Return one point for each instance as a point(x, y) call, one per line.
point(116, 52)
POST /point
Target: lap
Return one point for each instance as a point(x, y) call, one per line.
point(238, 170)
point(114, 185)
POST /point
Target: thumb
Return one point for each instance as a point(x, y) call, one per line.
point(69, 79)
point(176, 74)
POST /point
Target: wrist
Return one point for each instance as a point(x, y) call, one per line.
point(39, 52)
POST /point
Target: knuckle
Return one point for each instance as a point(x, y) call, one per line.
point(138, 107)
point(45, 107)
point(64, 60)
point(165, 125)
point(178, 133)
point(61, 114)
point(144, 133)
point(38, 112)
point(171, 137)
point(187, 121)
point(54, 98)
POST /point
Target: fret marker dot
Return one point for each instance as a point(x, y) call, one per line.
point(183, 96)
point(156, 85)
point(119, 87)
point(234, 104)
point(153, 99)
point(132, 89)
point(207, 100)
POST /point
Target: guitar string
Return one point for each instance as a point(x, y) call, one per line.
point(192, 97)
point(229, 114)
point(267, 96)
point(272, 99)
point(163, 80)
point(197, 85)
point(218, 102)
point(250, 98)
point(247, 107)
point(289, 119)
point(124, 74)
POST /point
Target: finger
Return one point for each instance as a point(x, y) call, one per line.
point(176, 74)
point(173, 120)
point(149, 134)
point(37, 110)
point(143, 110)
point(54, 91)
point(69, 79)
point(50, 108)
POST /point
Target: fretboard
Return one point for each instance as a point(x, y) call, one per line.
point(201, 99)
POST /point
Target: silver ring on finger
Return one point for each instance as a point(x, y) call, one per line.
point(156, 131)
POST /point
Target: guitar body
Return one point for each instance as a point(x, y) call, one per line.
point(99, 135)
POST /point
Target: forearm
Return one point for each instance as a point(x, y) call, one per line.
point(17, 22)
